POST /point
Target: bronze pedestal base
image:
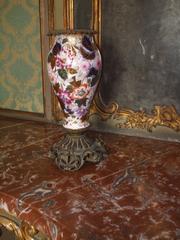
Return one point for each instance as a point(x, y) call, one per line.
point(76, 148)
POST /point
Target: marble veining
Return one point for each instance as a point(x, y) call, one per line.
point(134, 194)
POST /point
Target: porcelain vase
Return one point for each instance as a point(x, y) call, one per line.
point(74, 69)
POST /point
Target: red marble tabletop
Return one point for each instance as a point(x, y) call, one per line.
point(133, 194)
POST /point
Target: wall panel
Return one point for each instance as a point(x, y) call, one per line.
point(141, 51)
point(21, 85)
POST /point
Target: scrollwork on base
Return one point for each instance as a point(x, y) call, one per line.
point(75, 148)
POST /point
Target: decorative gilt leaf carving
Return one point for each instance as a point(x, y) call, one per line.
point(161, 116)
point(166, 116)
point(22, 230)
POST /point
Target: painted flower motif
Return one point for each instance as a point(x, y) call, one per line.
point(63, 73)
point(82, 69)
point(85, 66)
point(87, 43)
point(98, 64)
point(64, 96)
point(56, 49)
point(68, 52)
point(60, 62)
point(93, 72)
point(80, 92)
point(81, 112)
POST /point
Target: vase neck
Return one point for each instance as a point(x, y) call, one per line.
point(74, 39)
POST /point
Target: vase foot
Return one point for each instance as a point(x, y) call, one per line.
point(74, 125)
point(76, 148)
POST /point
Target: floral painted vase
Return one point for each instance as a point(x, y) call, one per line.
point(74, 68)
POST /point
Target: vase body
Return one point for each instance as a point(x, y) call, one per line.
point(74, 69)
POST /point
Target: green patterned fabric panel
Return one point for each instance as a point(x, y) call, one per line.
point(20, 56)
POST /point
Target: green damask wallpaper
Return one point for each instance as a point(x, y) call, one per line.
point(20, 56)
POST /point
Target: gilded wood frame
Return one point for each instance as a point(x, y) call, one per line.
point(161, 115)
point(21, 229)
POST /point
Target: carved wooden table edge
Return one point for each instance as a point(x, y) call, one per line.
point(21, 229)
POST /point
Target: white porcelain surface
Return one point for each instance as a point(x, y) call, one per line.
point(74, 68)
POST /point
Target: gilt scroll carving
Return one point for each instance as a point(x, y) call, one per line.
point(22, 230)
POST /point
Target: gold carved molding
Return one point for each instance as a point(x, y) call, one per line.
point(22, 230)
point(160, 115)
point(165, 116)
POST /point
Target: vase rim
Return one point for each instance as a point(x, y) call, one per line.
point(71, 31)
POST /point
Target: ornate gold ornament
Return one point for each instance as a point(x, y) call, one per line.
point(166, 116)
point(22, 230)
point(127, 118)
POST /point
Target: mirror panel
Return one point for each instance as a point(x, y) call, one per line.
point(141, 53)
point(82, 14)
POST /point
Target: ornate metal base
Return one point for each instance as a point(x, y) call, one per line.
point(75, 148)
